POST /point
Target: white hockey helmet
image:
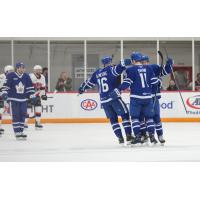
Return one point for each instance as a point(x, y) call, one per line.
point(9, 68)
point(37, 67)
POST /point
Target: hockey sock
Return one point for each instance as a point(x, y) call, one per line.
point(126, 124)
point(159, 129)
point(150, 126)
point(116, 128)
point(135, 126)
point(143, 128)
point(38, 113)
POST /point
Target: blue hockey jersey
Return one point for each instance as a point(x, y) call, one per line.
point(160, 72)
point(18, 87)
point(141, 80)
point(106, 79)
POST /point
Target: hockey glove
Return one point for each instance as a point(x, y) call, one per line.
point(169, 61)
point(115, 94)
point(33, 99)
point(44, 97)
point(80, 90)
point(4, 96)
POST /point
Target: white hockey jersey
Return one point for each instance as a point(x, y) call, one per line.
point(38, 83)
point(2, 80)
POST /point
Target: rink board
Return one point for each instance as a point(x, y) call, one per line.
point(69, 107)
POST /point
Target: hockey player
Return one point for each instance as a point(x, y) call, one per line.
point(106, 78)
point(39, 84)
point(17, 89)
point(7, 69)
point(159, 71)
point(141, 81)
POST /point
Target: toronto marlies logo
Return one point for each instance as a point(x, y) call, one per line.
point(194, 102)
point(89, 104)
point(20, 88)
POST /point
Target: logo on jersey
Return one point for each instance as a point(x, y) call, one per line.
point(88, 104)
point(194, 102)
point(20, 88)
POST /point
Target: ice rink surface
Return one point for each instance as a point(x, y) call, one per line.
point(96, 142)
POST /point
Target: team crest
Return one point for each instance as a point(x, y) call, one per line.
point(20, 88)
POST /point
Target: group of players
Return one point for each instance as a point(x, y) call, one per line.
point(144, 82)
point(20, 93)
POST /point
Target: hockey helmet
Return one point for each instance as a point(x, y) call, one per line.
point(8, 68)
point(37, 67)
point(19, 64)
point(136, 56)
point(106, 60)
point(145, 58)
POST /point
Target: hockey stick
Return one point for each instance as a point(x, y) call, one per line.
point(161, 68)
point(176, 82)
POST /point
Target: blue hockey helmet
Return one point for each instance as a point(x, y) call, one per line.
point(136, 56)
point(127, 61)
point(145, 58)
point(106, 60)
point(19, 64)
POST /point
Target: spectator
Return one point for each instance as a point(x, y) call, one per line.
point(172, 86)
point(64, 83)
point(45, 73)
point(197, 82)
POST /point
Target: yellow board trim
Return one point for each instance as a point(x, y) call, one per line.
point(98, 120)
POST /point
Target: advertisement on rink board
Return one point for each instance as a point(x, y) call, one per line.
point(87, 105)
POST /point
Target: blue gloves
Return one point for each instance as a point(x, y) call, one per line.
point(169, 61)
point(4, 96)
point(115, 94)
point(80, 90)
point(127, 62)
point(33, 99)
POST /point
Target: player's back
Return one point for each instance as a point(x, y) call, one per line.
point(141, 77)
point(106, 81)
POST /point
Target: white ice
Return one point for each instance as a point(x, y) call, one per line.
point(96, 142)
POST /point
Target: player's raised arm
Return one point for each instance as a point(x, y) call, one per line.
point(167, 68)
point(88, 84)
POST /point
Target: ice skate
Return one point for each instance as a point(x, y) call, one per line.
point(121, 141)
point(38, 126)
point(153, 139)
point(136, 141)
point(20, 136)
point(161, 139)
point(1, 131)
point(144, 138)
point(129, 139)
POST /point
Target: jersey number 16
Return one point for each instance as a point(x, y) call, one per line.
point(103, 86)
